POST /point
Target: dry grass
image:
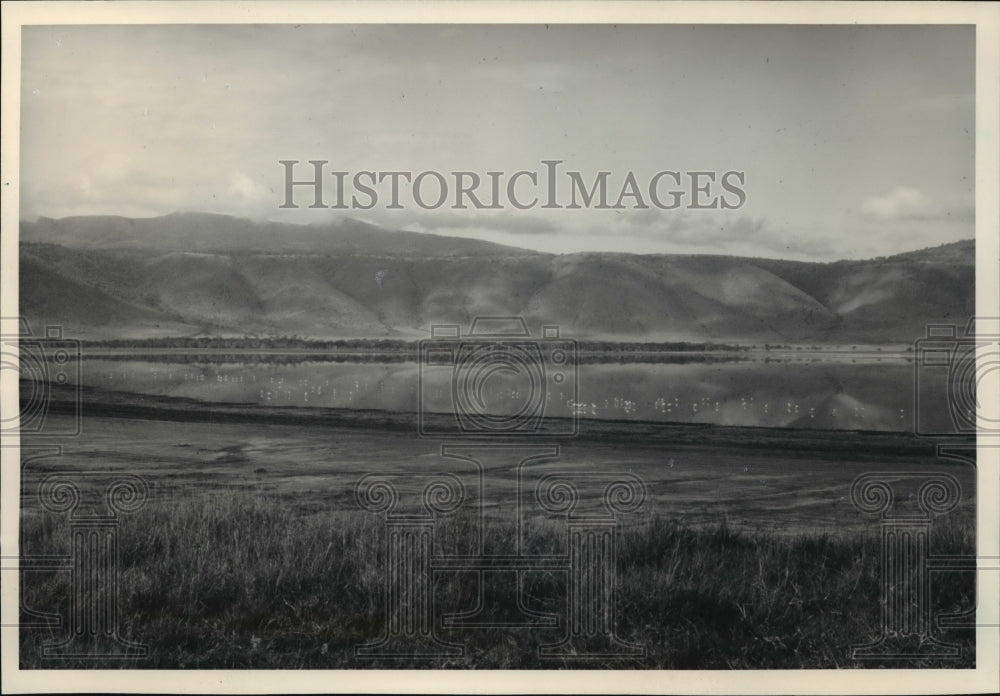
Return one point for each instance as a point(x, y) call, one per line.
point(234, 580)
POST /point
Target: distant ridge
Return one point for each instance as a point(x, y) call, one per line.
point(210, 232)
point(195, 274)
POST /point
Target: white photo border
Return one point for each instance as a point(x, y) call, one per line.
point(984, 678)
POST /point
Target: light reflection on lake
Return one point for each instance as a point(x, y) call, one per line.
point(872, 394)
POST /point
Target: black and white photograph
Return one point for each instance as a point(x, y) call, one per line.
point(634, 344)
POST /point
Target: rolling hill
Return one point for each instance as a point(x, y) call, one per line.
point(192, 274)
point(209, 232)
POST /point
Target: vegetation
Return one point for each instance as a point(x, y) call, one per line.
point(239, 581)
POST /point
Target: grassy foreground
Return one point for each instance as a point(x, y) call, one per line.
point(241, 581)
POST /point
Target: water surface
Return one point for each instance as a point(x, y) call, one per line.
point(828, 392)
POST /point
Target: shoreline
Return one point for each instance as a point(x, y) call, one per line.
point(95, 402)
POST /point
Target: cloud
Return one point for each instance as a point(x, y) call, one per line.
point(446, 222)
point(905, 203)
point(500, 222)
point(724, 233)
point(149, 119)
point(690, 229)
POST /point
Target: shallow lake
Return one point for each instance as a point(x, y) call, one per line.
point(862, 393)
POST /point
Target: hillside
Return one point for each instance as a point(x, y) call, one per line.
point(99, 280)
point(208, 232)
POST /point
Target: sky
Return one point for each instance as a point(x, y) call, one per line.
point(854, 141)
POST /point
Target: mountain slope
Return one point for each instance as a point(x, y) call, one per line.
point(207, 232)
point(109, 286)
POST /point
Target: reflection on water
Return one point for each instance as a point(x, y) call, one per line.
point(874, 394)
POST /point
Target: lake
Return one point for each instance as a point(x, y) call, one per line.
point(809, 391)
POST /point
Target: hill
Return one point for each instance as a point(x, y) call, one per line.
point(208, 232)
point(195, 274)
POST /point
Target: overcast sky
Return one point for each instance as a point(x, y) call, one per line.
point(855, 141)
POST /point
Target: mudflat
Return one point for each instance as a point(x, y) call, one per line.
point(761, 479)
